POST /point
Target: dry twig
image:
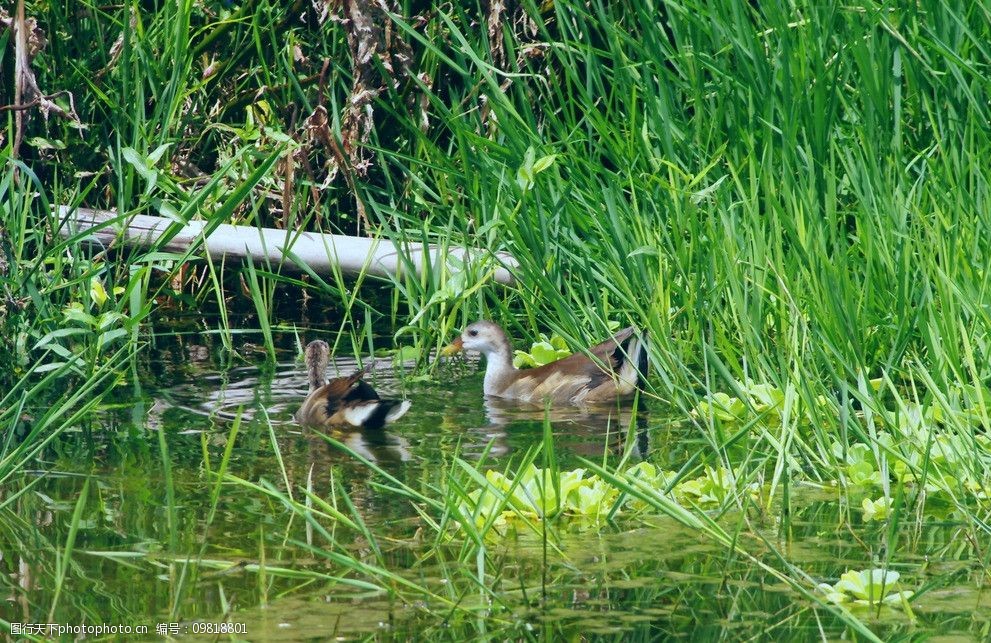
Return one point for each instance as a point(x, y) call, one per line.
point(29, 40)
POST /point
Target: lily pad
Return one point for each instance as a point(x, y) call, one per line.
point(869, 587)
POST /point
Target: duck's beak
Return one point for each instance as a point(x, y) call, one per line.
point(453, 348)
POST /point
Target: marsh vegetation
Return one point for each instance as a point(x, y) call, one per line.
point(791, 200)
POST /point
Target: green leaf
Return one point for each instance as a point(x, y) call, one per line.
point(97, 292)
point(543, 163)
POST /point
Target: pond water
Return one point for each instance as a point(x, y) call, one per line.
point(158, 537)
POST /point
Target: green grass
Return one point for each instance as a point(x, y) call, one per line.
point(786, 195)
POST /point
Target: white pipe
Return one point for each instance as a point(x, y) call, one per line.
point(321, 252)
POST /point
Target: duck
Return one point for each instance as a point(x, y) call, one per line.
point(616, 370)
point(343, 401)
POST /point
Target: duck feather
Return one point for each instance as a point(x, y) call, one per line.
point(613, 369)
point(343, 401)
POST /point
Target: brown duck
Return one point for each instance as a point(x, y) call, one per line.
point(343, 401)
point(616, 370)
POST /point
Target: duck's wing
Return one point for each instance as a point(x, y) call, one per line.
point(322, 405)
point(625, 357)
point(612, 352)
point(613, 370)
point(350, 401)
point(372, 414)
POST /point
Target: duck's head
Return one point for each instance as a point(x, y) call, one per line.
point(317, 352)
point(482, 336)
point(317, 359)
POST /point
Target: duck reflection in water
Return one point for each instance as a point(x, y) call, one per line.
point(580, 429)
point(591, 390)
point(350, 410)
point(343, 401)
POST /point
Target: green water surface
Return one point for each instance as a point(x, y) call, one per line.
point(149, 548)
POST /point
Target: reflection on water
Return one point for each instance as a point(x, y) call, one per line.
point(164, 536)
point(245, 392)
point(589, 429)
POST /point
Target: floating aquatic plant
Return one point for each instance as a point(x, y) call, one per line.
point(708, 490)
point(949, 459)
point(761, 400)
point(869, 587)
point(545, 351)
point(548, 349)
point(859, 464)
point(721, 407)
point(536, 493)
point(876, 509)
point(539, 493)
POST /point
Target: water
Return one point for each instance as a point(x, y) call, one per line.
point(163, 538)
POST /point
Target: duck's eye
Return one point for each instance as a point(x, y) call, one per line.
point(472, 333)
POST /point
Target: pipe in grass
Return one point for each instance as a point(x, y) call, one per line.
point(322, 253)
